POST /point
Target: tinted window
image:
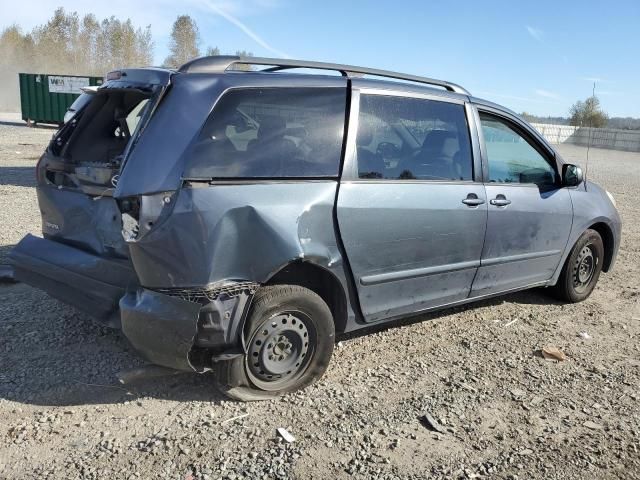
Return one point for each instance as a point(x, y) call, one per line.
point(511, 158)
point(273, 132)
point(409, 138)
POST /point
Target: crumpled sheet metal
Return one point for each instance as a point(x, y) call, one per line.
point(219, 233)
point(239, 232)
point(94, 222)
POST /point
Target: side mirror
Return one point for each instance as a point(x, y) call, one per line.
point(571, 175)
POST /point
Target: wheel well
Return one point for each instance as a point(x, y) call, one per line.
point(607, 241)
point(320, 281)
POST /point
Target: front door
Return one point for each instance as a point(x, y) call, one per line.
point(411, 217)
point(529, 213)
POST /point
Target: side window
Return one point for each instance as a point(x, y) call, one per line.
point(511, 158)
point(412, 139)
point(272, 132)
point(134, 115)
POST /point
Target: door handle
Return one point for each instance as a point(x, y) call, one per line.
point(500, 201)
point(472, 200)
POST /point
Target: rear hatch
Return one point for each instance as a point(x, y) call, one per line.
point(76, 181)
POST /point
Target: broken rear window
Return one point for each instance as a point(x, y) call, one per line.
point(272, 132)
point(100, 132)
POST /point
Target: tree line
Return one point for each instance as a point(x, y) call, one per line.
point(73, 45)
point(587, 113)
point(69, 44)
point(185, 44)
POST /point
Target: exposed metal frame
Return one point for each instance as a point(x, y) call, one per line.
point(221, 63)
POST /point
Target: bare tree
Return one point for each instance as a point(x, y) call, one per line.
point(124, 45)
point(55, 42)
point(185, 41)
point(588, 114)
point(144, 46)
point(243, 53)
point(66, 44)
point(86, 47)
point(16, 55)
point(212, 51)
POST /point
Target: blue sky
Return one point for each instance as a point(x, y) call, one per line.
point(538, 57)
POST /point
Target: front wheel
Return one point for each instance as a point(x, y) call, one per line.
point(289, 338)
point(582, 268)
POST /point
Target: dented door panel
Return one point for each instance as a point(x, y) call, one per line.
point(525, 239)
point(411, 246)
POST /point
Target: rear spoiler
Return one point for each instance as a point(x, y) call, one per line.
point(131, 76)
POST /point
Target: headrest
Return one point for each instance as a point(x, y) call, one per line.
point(272, 126)
point(436, 139)
point(365, 134)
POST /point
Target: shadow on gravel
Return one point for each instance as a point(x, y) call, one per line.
point(536, 296)
point(53, 355)
point(4, 254)
point(13, 123)
point(22, 123)
point(18, 176)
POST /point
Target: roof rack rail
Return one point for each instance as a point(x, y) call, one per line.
point(221, 63)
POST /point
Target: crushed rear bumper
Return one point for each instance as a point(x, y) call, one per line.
point(160, 327)
point(166, 326)
point(88, 282)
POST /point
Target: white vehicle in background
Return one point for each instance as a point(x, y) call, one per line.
point(79, 102)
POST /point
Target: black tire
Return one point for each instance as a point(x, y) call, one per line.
point(582, 268)
point(289, 335)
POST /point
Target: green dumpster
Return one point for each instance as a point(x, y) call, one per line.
point(45, 98)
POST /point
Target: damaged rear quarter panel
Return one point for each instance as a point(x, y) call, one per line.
point(154, 165)
point(239, 231)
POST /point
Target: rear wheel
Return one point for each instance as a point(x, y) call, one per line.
point(289, 335)
point(582, 268)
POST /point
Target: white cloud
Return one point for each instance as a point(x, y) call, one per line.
point(242, 26)
point(513, 97)
point(546, 94)
point(608, 92)
point(594, 79)
point(536, 33)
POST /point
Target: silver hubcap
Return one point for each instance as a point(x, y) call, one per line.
point(279, 350)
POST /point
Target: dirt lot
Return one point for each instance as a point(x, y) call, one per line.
point(504, 411)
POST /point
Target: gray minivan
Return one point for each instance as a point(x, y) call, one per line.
point(236, 221)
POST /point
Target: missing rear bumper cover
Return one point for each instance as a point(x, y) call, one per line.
point(184, 328)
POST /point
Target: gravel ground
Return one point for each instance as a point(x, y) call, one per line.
point(503, 411)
